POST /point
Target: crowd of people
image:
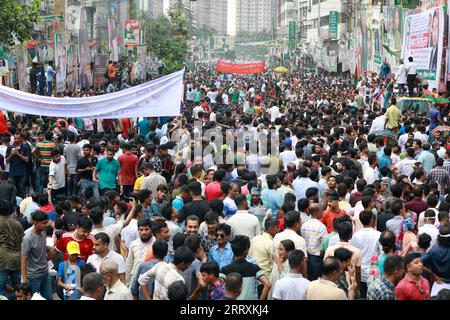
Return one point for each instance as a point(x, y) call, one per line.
point(290, 198)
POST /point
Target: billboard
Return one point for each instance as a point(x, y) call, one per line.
point(423, 40)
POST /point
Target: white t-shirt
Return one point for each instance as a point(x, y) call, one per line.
point(212, 95)
point(274, 113)
point(287, 157)
point(57, 170)
point(96, 261)
point(112, 231)
point(291, 287)
point(130, 233)
point(3, 149)
point(196, 111)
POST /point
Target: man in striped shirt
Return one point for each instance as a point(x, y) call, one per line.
point(313, 232)
point(43, 154)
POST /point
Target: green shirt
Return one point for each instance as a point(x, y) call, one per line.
point(107, 173)
point(235, 97)
point(326, 240)
point(197, 96)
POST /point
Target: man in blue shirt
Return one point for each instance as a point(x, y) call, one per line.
point(385, 161)
point(144, 127)
point(221, 252)
point(272, 198)
point(435, 117)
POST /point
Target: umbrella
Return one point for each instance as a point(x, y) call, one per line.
point(281, 69)
point(440, 129)
point(389, 137)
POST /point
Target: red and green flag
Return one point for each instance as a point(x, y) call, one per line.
point(355, 77)
point(435, 98)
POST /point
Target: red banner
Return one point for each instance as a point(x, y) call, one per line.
point(240, 68)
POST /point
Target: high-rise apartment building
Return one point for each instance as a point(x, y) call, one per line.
point(254, 15)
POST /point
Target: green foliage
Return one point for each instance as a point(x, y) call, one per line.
point(17, 20)
point(166, 38)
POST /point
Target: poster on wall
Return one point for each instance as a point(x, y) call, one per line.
point(60, 62)
point(131, 32)
point(423, 40)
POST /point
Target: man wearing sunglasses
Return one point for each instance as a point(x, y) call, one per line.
point(221, 252)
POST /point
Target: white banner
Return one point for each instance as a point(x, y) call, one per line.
point(423, 40)
point(157, 98)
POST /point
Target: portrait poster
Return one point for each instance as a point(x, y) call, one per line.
point(423, 40)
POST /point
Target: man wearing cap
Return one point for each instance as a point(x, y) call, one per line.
point(429, 226)
point(257, 206)
point(69, 274)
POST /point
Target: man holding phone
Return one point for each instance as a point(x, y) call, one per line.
point(18, 156)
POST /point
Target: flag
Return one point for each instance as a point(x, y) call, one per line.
point(391, 52)
point(435, 98)
point(355, 77)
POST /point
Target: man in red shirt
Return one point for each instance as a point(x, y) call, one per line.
point(126, 127)
point(213, 189)
point(333, 212)
point(413, 286)
point(82, 235)
point(129, 165)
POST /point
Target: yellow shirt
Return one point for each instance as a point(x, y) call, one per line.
point(261, 250)
point(393, 116)
point(322, 289)
point(138, 183)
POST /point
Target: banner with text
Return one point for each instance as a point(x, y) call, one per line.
point(161, 97)
point(240, 68)
point(423, 40)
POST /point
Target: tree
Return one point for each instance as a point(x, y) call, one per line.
point(166, 38)
point(17, 20)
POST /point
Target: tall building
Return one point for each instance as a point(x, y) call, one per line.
point(254, 15)
point(212, 14)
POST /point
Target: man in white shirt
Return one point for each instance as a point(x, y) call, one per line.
point(406, 166)
point(112, 230)
point(429, 227)
point(292, 226)
point(138, 248)
point(400, 77)
point(371, 171)
point(411, 70)
point(293, 286)
point(57, 174)
point(274, 112)
point(366, 240)
point(103, 253)
point(287, 156)
point(115, 289)
point(243, 223)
